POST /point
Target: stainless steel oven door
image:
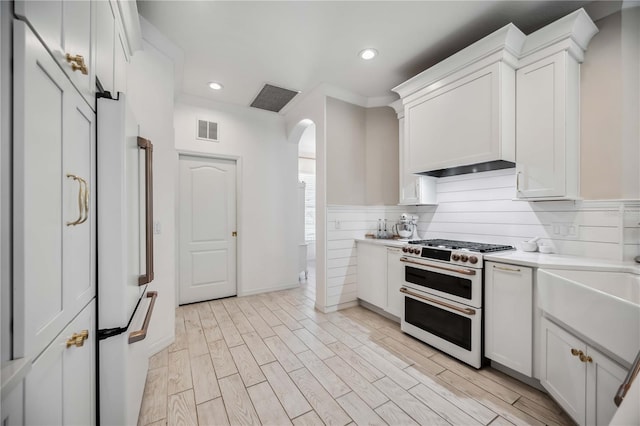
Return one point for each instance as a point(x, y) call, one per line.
point(456, 283)
point(453, 328)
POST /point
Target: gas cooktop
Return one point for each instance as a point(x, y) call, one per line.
point(462, 245)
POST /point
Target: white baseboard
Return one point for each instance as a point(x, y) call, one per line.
point(334, 308)
point(161, 344)
point(268, 289)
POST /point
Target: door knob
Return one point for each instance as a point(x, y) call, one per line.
point(576, 352)
point(234, 234)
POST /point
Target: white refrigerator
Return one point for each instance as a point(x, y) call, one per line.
point(125, 261)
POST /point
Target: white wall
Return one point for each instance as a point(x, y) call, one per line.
point(610, 109)
point(381, 157)
point(150, 94)
point(267, 206)
point(346, 155)
point(362, 154)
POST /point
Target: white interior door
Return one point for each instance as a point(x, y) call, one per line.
point(207, 229)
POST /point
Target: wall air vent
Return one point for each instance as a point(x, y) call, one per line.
point(273, 98)
point(207, 131)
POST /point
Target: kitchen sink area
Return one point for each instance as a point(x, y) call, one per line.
point(595, 304)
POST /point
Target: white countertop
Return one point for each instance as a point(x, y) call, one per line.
point(536, 259)
point(383, 242)
point(560, 261)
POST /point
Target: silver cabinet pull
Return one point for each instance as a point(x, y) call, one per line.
point(502, 268)
point(459, 271)
point(467, 311)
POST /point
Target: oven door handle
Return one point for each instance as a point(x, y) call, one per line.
point(459, 271)
point(467, 311)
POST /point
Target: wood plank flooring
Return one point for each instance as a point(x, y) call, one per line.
point(272, 359)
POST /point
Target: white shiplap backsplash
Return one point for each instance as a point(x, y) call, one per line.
point(481, 207)
point(344, 225)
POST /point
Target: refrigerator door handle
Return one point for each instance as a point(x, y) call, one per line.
point(136, 336)
point(147, 146)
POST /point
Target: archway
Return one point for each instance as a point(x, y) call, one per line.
point(304, 135)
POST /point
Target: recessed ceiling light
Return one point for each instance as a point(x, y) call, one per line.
point(368, 53)
point(215, 86)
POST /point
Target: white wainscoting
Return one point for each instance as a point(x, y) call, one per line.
point(344, 225)
point(481, 207)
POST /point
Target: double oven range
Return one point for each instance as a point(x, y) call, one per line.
point(443, 294)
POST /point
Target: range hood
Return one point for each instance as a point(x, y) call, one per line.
point(459, 115)
point(487, 166)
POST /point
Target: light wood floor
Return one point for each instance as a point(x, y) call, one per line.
point(272, 359)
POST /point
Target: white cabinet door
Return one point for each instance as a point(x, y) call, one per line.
point(60, 389)
point(562, 374)
point(121, 61)
point(372, 274)
point(461, 123)
point(66, 28)
point(105, 43)
point(414, 189)
point(547, 137)
point(604, 377)
point(509, 316)
point(54, 209)
point(395, 280)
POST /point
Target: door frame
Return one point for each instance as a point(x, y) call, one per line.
point(211, 156)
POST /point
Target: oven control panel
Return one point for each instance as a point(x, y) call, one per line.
point(458, 257)
point(466, 258)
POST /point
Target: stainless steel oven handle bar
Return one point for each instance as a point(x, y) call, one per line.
point(459, 271)
point(467, 311)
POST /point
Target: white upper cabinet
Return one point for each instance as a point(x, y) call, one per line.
point(414, 189)
point(66, 29)
point(460, 112)
point(112, 53)
point(105, 42)
point(54, 203)
point(548, 109)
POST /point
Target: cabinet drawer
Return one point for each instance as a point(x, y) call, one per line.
point(60, 389)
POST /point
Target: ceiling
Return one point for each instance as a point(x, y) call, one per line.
point(299, 45)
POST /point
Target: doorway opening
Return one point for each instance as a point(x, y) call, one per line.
point(307, 205)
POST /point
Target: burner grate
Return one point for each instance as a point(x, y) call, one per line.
point(462, 245)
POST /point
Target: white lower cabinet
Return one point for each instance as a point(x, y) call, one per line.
point(372, 274)
point(60, 389)
point(395, 279)
point(580, 378)
point(508, 323)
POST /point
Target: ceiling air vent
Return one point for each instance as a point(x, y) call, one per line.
point(207, 130)
point(273, 98)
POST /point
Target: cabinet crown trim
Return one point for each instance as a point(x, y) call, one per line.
point(576, 27)
point(508, 40)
